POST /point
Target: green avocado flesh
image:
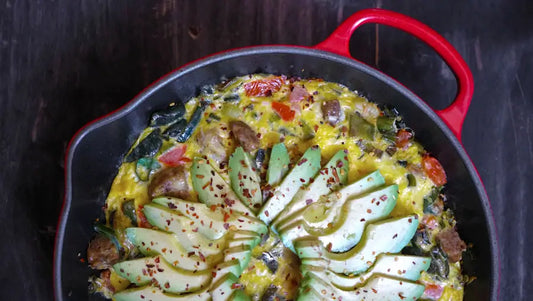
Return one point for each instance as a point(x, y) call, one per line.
point(347, 243)
point(329, 178)
point(304, 170)
point(376, 288)
point(388, 236)
point(244, 179)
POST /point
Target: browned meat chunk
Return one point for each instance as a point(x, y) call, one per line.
point(105, 277)
point(244, 135)
point(331, 111)
point(211, 144)
point(102, 253)
point(170, 182)
point(451, 244)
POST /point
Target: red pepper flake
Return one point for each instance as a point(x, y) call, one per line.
point(167, 285)
point(336, 175)
point(213, 207)
point(207, 184)
point(226, 216)
point(226, 226)
point(302, 161)
point(395, 235)
point(383, 197)
point(266, 213)
point(229, 202)
point(190, 254)
point(171, 205)
point(308, 201)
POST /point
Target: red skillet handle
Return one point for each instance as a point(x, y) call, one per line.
point(454, 115)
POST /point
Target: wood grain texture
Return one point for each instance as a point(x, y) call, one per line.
point(66, 62)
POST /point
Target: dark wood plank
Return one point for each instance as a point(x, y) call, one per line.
point(66, 62)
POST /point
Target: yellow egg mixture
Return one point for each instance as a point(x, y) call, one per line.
point(306, 129)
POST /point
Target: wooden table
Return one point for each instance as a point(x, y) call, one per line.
point(66, 62)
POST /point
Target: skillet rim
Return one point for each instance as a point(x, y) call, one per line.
point(272, 49)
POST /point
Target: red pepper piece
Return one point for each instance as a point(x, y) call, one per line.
point(402, 138)
point(283, 110)
point(434, 170)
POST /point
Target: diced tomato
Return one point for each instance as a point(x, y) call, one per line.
point(403, 138)
point(174, 157)
point(434, 170)
point(264, 87)
point(283, 110)
point(433, 291)
point(141, 219)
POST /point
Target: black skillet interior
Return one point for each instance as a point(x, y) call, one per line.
point(96, 152)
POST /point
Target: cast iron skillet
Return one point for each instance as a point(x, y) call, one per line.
point(96, 152)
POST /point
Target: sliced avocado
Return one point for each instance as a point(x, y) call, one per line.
point(378, 288)
point(245, 180)
point(212, 189)
point(244, 234)
point(346, 231)
point(242, 253)
point(388, 236)
point(154, 242)
point(301, 174)
point(171, 279)
point(186, 233)
point(389, 289)
point(307, 293)
point(239, 295)
point(213, 223)
point(329, 178)
point(223, 289)
point(356, 214)
point(393, 265)
point(155, 293)
point(278, 165)
point(226, 267)
point(251, 242)
point(323, 213)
